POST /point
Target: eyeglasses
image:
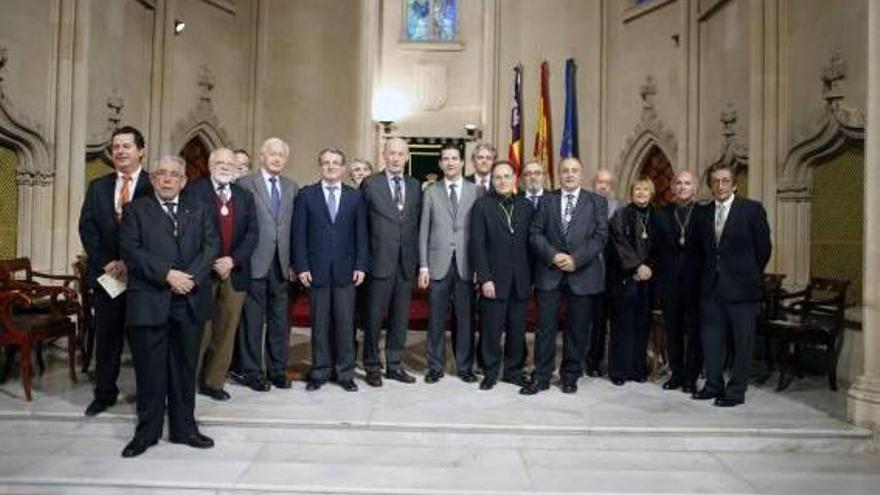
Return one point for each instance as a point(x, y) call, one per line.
point(167, 173)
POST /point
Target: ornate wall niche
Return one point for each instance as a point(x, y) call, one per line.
point(202, 122)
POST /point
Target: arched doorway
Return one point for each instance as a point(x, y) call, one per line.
point(656, 166)
point(195, 153)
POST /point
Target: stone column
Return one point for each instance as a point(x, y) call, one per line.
point(863, 403)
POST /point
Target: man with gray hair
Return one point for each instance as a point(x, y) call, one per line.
point(267, 297)
point(482, 157)
point(168, 244)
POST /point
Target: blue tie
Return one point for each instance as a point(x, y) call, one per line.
point(275, 201)
point(331, 202)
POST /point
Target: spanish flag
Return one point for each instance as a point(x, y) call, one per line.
point(544, 128)
point(515, 151)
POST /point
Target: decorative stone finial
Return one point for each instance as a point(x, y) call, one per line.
point(647, 92)
point(206, 84)
point(832, 75)
point(728, 119)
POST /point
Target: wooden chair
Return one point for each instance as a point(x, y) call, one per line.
point(811, 318)
point(86, 328)
point(770, 311)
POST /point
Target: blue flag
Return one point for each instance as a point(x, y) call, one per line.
point(569, 146)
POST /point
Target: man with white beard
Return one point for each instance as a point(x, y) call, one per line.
point(236, 221)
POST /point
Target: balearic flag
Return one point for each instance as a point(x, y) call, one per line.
point(544, 128)
point(515, 150)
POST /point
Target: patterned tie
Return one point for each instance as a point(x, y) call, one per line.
point(171, 210)
point(566, 214)
point(223, 192)
point(453, 199)
point(331, 202)
point(534, 199)
point(720, 218)
point(124, 194)
point(398, 192)
point(275, 201)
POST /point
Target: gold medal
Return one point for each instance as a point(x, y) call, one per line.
point(224, 210)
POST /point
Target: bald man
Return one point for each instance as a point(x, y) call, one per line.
point(679, 257)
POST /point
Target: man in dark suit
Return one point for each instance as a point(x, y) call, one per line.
point(168, 244)
point(533, 183)
point(99, 233)
point(483, 156)
point(235, 219)
point(500, 252)
point(736, 245)
point(444, 265)
point(330, 257)
point(679, 261)
point(393, 203)
point(267, 299)
point(567, 238)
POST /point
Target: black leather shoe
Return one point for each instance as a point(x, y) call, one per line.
point(433, 376)
point(519, 381)
point(257, 384)
point(673, 383)
point(728, 402)
point(313, 385)
point(487, 384)
point(689, 387)
point(642, 379)
point(374, 379)
point(595, 373)
point(349, 385)
point(400, 376)
point(705, 394)
point(533, 388)
point(195, 440)
point(468, 377)
point(98, 406)
point(569, 387)
point(136, 447)
point(618, 381)
point(280, 381)
point(214, 393)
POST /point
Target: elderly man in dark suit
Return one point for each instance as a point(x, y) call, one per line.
point(330, 257)
point(267, 299)
point(99, 232)
point(567, 237)
point(394, 204)
point(736, 244)
point(483, 156)
point(168, 244)
point(235, 218)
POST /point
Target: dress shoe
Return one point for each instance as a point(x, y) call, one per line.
point(433, 376)
point(257, 384)
point(533, 388)
point(468, 377)
point(520, 381)
point(673, 383)
point(136, 447)
point(280, 381)
point(313, 385)
point(705, 394)
point(195, 440)
point(728, 402)
point(594, 372)
point(689, 387)
point(569, 387)
point(641, 379)
point(374, 379)
point(214, 393)
point(348, 385)
point(400, 376)
point(487, 384)
point(98, 406)
point(618, 381)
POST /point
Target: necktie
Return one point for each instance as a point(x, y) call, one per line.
point(275, 201)
point(124, 194)
point(331, 202)
point(720, 218)
point(223, 192)
point(453, 199)
point(566, 214)
point(171, 210)
point(398, 192)
point(534, 199)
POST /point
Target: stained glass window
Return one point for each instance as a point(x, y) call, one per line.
point(431, 20)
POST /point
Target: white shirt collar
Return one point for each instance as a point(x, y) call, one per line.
point(217, 185)
point(162, 202)
point(457, 182)
point(576, 192)
point(134, 176)
point(325, 184)
point(726, 203)
point(266, 175)
point(539, 193)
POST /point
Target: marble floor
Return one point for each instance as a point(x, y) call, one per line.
point(447, 438)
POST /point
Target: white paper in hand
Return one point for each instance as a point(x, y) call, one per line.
point(112, 285)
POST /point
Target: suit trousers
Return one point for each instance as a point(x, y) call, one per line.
point(219, 336)
point(602, 313)
point(503, 318)
point(266, 303)
point(461, 294)
point(628, 355)
point(332, 310)
point(719, 319)
point(574, 340)
point(165, 358)
point(681, 319)
point(387, 297)
point(109, 340)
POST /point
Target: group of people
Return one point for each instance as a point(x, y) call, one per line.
point(208, 267)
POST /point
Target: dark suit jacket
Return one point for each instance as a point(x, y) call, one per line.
point(98, 226)
point(245, 227)
point(499, 256)
point(394, 235)
point(330, 250)
point(735, 266)
point(587, 235)
point(150, 249)
point(678, 268)
point(480, 191)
